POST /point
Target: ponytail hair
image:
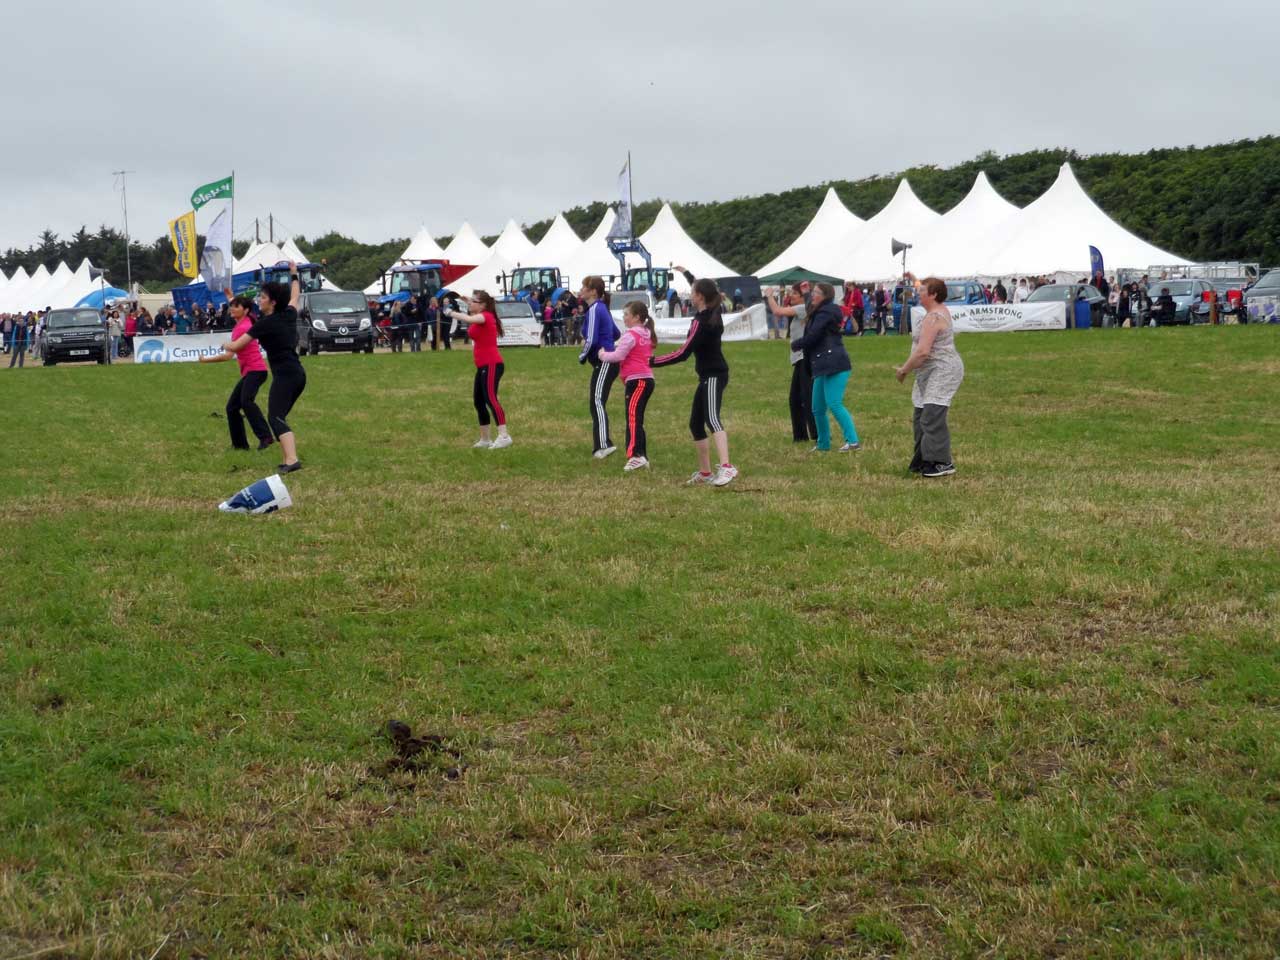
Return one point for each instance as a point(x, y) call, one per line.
point(486, 303)
point(596, 284)
point(706, 288)
point(637, 309)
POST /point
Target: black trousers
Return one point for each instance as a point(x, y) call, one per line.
point(933, 436)
point(638, 394)
point(287, 385)
point(705, 411)
point(602, 377)
point(484, 394)
point(444, 332)
point(803, 426)
point(244, 399)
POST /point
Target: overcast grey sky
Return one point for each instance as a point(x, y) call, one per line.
point(372, 117)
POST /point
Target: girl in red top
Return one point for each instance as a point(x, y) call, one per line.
point(484, 330)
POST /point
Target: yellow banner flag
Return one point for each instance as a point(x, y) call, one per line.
point(183, 234)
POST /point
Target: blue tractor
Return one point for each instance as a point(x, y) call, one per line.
point(523, 282)
point(247, 283)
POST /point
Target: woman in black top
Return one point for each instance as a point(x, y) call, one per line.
point(277, 331)
point(703, 342)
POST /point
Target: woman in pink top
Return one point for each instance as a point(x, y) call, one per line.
point(253, 374)
point(634, 351)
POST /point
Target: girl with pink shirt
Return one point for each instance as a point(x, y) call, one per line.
point(633, 352)
point(253, 374)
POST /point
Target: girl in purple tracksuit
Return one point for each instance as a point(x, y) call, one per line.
point(598, 333)
point(633, 353)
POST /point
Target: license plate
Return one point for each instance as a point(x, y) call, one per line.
point(79, 353)
point(344, 339)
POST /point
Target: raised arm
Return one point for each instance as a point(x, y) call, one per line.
point(295, 287)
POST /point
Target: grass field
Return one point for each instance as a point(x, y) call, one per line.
point(829, 711)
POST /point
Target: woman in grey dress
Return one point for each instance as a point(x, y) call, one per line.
point(939, 372)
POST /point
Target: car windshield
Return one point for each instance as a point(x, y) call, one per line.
point(1268, 283)
point(1176, 288)
point(60, 319)
point(514, 310)
point(619, 299)
point(958, 292)
point(1049, 292)
point(338, 303)
point(530, 277)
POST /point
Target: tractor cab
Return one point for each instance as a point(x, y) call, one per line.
point(657, 280)
point(309, 276)
point(522, 282)
point(421, 280)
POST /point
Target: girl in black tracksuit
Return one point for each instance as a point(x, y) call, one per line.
point(703, 342)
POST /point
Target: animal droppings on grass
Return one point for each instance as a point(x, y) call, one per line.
point(416, 755)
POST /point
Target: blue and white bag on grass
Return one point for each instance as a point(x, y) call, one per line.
point(265, 496)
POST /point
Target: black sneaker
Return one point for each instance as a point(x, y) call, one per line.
point(297, 465)
point(938, 470)
point(264, 442)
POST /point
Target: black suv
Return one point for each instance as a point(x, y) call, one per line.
point(74, 336)
point(334, 320)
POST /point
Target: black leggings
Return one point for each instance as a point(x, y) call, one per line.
point(706, 406)
point(638, 394)
point(803, 426)
point(485, 394)
point(287, 384)
point(244, 398)
point(602, 377)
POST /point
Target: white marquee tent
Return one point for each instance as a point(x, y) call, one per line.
point(423, 246)
point(1054, 233)
point(483, 276)
point(668, 244)
point(831, 224)
point(955, 246)
point(864, 252)
point(593, 257)
point(466, 247)
point(513, 244)
point(557, 246)
point(26, 295)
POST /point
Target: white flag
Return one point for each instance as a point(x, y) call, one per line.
point(622, 225)
point(215, 262)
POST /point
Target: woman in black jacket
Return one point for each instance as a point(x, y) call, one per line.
point(824, 349)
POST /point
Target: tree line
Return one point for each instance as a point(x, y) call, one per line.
point(1219, 202)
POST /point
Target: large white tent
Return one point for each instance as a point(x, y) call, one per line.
point(483, 277)
point(830, 225)
point(668, 244)
point(26, 296)
point(957, 243)
point(13, 289)
point(423, 246)
point(593, 257)
point(557, 246)
point(513, 244)
point(864, 254)
point(466, 247)
point(1054, 233)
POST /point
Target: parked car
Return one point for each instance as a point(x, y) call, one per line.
point(959, 293)
point(74, 336)
point(1262, 300)
point(1188, 297)
point(520, 326)
point(1070, 293)
point(334, 320)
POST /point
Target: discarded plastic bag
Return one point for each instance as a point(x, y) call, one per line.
point(265, 496)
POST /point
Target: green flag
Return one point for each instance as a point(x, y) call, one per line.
point(218, 190)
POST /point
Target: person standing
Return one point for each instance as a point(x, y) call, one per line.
point(1021, 292)
point(599, 332)
point(484, 328)
point(277, 331)
point(130, 330)
point(824, 348)
point(17, 340)
point(794, 312)
point(939, 373)
point(417, 317)
point(113, 336)
point(998, 293)
point(430, 318)
point(633, 353)
point(253, 374)
point(444, 321)
point(703, 343)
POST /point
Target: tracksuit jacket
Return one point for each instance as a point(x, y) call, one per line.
point(599, 332)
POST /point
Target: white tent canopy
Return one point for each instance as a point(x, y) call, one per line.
point(557, 246)
point(864, 254)
point(423, 246)
point(482, 277)
point(957, 244)
point(263, 254)
point(831, 224)
point(593, 257)
point(466, 247)
point(513, 244)
point(668, 244)
point(1055, 231)
point(27, 295)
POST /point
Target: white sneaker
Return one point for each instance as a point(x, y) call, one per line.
point(482, 444)
point(603, 452)
point(724, 476)
point(851, 448)
point(503, 441)
point(699, 478)
point(637, 463)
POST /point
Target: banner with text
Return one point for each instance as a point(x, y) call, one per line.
point(1001, 317)
point(182, 234)
point(180, 349)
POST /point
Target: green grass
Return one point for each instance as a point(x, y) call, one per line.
point(829, 711)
